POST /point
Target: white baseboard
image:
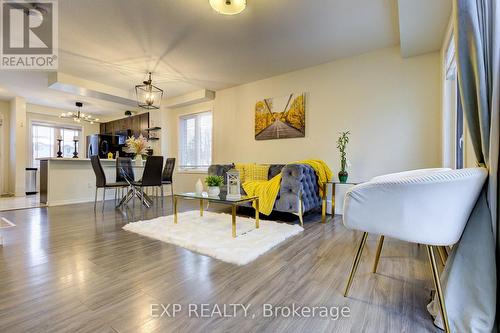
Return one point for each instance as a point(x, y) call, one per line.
point(67, 202)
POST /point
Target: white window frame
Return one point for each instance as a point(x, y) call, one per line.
point(57, 126)
point(198, 168)
point(450, 107)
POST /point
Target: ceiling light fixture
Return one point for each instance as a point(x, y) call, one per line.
point(78, 116)
point(228, 7)
point(148, 96)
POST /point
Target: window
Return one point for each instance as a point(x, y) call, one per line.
point(195, 141)
point(453, 114)
point(67, 144)
point(44, 141)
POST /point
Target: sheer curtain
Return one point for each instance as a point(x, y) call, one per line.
point(470, 276)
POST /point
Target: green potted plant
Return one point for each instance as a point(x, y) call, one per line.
point(342, 142)
point(214, 183)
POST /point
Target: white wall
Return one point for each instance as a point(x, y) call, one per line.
point(4, 147)
point(17, 160)
point(157, 118)
point(391, 106)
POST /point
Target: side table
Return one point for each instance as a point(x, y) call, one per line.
point(323, 203)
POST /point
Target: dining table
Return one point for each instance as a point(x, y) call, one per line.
point(133, 189)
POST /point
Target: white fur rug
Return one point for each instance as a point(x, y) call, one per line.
point(211, 234)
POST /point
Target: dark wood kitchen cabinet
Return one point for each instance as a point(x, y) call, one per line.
point(137, 124)
point(102, 129)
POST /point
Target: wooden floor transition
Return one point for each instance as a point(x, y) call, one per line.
point(64, 269)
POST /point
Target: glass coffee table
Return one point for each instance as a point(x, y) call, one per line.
point(221, 199)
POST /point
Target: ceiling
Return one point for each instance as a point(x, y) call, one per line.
point(188, 46)
point(422, 25)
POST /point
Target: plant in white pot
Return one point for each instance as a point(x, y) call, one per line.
point(137, 146)
point(214, 183)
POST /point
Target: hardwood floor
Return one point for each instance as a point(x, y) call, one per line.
point(64, 269)
point(10, 203)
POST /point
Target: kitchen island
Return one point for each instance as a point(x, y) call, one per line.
point(72, 180)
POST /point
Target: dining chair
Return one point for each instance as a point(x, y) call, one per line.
point(124, 171)
point(167, 177)
point(429, 207)
point(151, 177)
point(101, 181)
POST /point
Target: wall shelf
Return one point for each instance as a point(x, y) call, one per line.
point(153, 129)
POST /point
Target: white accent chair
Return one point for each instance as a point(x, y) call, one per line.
point(427, 206)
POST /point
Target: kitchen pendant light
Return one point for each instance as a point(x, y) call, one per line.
point(228, 7)
point(148, 96)
point(78, 116)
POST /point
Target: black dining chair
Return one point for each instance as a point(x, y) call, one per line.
point(124, 171)
point(151, 176)
point(167, 177)
point(100, 180)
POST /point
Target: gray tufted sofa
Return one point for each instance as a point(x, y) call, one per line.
point(299, 190)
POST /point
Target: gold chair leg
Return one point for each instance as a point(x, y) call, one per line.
point(437, 284)
point(445, 252)
point(355, 264)
point(233, 221)
point(377, 255)
point(333, 201)
point(440, 254)
point(323, 205)
point(175, 210)
point(443, 255)
point(257, 213)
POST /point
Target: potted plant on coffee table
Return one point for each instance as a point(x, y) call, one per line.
point(214, 183)
point(342, 142)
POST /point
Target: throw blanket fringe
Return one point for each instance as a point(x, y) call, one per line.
point(267, 190)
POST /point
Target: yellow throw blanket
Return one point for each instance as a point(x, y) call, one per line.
point(267, 190)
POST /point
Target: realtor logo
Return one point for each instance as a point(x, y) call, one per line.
point(29, 38)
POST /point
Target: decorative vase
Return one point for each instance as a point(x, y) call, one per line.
point(138, 160)
point(199, 187)
point(213, 191)
point(343, 176)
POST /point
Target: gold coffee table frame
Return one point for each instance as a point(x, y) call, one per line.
point(221, 199)
point(323, 200)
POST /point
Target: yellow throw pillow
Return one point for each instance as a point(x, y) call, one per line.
point(256, 172)
point(241, 168)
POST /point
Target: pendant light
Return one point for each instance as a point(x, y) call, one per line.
point(78, 116)
point(148, 96)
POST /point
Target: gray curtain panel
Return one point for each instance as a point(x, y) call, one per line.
point(470, 275)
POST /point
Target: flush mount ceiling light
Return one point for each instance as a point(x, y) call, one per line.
point(78, 116)
point(148, 96)
point(228, 7)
